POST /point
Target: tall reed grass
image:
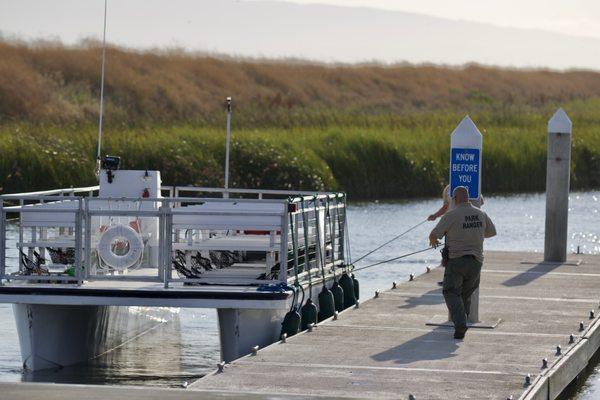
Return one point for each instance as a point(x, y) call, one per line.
point(376, 132)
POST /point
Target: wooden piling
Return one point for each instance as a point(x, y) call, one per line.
point(557, 187)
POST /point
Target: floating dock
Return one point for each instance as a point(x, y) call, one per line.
point(386, 349)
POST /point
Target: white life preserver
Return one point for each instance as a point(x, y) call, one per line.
point(122, 233)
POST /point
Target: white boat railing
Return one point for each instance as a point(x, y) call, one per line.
point(297, 237)
point(89, 190)
point(176, 191)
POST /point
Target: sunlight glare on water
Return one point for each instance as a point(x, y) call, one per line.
point(187, 346)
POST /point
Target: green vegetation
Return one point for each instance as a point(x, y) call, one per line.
point(376, 132)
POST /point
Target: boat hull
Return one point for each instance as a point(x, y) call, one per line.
point(56, 336)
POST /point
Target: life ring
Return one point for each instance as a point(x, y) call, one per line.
point(127, 235)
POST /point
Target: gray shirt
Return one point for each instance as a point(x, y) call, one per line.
point(465, 227)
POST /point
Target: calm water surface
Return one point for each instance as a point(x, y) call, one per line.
point(187, 347)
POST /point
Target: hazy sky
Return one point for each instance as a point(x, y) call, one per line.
point(309, 29)
point(572, 17)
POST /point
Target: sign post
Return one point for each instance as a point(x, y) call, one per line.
point(465, 158)
point(227, 144)
point(466, 143)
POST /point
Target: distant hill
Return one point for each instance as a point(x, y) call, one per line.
point(41, 83)
point(276, 29)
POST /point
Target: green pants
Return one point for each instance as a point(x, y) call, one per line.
point(461, 279)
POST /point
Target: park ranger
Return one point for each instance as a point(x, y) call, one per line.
point(465, 228)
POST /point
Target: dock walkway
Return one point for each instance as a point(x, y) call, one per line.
point(384, 349)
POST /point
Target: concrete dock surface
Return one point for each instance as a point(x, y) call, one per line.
point(385, 349)
point(50, 391)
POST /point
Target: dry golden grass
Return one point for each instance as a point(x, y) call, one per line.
point(50, 82)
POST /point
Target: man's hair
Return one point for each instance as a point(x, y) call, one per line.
point(461, 193)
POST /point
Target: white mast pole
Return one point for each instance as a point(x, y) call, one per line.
point(98, 155)
point(227, 145)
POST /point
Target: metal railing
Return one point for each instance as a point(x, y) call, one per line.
point(188, 225)
point(89, 190)
point(175, 191)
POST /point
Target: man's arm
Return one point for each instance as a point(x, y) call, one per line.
point(490, 228)
point(438, 213)
point(439, 231)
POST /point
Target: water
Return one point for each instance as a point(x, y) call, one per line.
point(187, 347)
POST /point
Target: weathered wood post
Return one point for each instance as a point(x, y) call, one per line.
point(557, 186)
point(466, 143)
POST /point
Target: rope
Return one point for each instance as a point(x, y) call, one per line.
point(391, 240)
point(317, 223)
point(328, 217)
point(295, 250)
point(306, 247)
point(347, 232)
point(340, 225)
point(394, 259)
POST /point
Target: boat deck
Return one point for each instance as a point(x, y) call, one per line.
point(132, 290)
point(385, 349)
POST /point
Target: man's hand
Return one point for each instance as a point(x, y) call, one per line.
point(432, 217)
point(433, 241)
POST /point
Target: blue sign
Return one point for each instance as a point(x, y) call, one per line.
point(465, 167)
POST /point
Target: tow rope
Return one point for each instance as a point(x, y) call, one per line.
point(394, 259)
point(391, 240)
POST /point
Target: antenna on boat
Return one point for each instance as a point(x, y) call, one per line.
point(98, 154)
point(228, 140)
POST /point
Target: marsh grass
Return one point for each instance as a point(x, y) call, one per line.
point(392, 161)
point(376, 132)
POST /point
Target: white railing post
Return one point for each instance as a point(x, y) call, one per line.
point(78, 242)
point(168, 246)
point(557, 187)
point(21, 234)
point(88, 241)
point(334, 230)
point(2, 242)
point(296, 237)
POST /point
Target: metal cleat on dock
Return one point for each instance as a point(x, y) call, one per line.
point(221, 367)
point(255, 350)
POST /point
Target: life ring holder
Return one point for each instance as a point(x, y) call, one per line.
point(127, 234)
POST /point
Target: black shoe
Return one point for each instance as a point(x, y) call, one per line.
point(440, 283)
point(459, 333)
